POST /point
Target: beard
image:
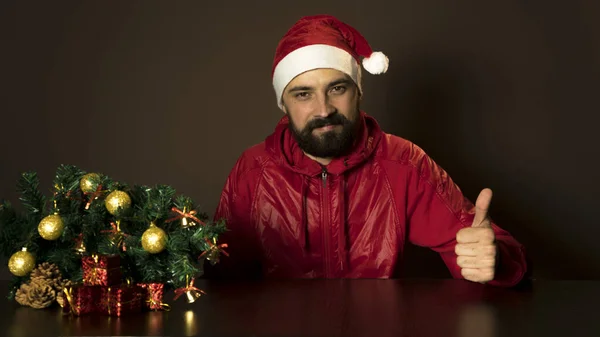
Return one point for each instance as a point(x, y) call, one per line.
point(329, 144)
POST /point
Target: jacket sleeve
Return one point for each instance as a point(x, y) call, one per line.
point(235, 207)
point(437, 210)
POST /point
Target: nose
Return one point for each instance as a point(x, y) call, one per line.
point(324, 108)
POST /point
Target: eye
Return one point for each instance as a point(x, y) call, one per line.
point(338, 89)
point(302, 95)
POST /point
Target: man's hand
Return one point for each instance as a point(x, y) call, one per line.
point(476, 247)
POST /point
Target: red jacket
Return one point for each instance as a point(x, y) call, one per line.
point(290, 217)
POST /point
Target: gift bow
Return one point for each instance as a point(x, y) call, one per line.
point(93, 195)
point(153, 303)
point(183, 214)
point(117, 234)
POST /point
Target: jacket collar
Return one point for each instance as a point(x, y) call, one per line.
point(282, 146)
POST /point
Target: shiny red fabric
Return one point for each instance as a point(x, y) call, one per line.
point(322, 29)
point(288, 217)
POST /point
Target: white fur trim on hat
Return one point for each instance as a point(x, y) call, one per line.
point(377, 63)
point(313, 57)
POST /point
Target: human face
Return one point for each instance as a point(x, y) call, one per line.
point(322, 106)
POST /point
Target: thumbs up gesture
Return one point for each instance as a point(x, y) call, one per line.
point(476, 247)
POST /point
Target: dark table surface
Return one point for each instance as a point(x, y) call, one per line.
point(341, 308)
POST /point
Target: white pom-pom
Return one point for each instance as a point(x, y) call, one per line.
point(377, 63)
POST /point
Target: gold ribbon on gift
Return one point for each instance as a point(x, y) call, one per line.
point(119, 303)
point(154, 294)
point(92, 277)
point(151, 303)
point(68, 291)
point(74, 302)
point(108, 300)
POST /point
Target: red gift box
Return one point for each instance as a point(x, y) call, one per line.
point(101, 270)
point(120, 300)
point(152, 296)
point(80, 299)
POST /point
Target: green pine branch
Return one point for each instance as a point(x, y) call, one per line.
point(67, 178)
point(87, 219)
point(9, 229)
point(31, 198)
point(153, 204)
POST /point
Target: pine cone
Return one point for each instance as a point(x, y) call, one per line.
point(46, 270)
point(60, 299)
point(40, 294)
point(40, 281)
point(21, 295)
point(50, 273)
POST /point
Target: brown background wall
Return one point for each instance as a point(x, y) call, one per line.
point(502, 94)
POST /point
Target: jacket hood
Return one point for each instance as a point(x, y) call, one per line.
point(284, 149)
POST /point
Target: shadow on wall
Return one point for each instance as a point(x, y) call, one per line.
point(438, 102)
point(431, 97)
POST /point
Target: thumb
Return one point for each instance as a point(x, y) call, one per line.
point(481, 208)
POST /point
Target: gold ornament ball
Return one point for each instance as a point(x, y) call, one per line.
point(21, 263)
point(117, 201)
point(154, 239)
point(89, 182)
point(51, 227)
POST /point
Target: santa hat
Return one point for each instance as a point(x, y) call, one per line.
point(323, 41)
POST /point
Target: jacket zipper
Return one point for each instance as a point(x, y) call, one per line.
point(326, 222)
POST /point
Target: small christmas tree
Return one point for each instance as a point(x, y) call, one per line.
point(158, 237)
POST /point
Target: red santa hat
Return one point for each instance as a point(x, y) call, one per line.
point(323, 41)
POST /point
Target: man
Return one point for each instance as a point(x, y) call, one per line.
point(330, 195)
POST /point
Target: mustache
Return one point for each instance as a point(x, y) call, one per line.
point(334, 119)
